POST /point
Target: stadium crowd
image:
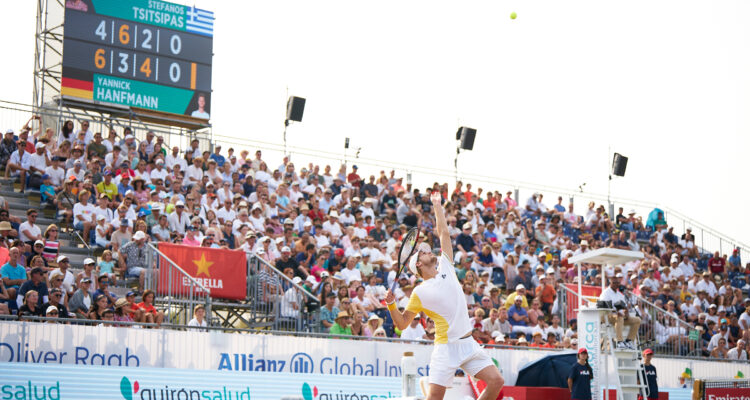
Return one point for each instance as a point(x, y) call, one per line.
point(336, 234)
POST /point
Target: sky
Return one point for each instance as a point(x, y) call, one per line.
point(551, 93)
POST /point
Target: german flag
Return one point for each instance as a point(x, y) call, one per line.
point(77, 88)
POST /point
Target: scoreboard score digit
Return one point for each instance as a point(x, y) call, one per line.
point(112, 54)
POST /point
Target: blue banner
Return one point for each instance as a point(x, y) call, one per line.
point(57, 382)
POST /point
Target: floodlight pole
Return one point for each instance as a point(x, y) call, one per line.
point(610, 209)
point(455, 163)
point(286, 123)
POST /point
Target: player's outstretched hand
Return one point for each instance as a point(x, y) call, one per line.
point(436, 198)
point(389, 297)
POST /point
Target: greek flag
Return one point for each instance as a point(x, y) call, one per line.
point(200, 21)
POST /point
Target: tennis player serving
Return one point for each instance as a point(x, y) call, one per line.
point(441, 297)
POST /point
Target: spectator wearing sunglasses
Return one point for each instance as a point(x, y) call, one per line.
point(55, 300)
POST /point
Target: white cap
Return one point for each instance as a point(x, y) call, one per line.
point(40, 145)
point(159, 161)
point(156, 207)
point(421, 248)
point(139, 235)
point(498, 335)
point(618, 275)
point(467, 225)
point(357, 255)
point(100, 217)
point(10, 131)
point(60, 258)
point(296, 280)
point(39, 242)
point(256, 206)
point(584, 242)
point(129, 137)
point(50, 309)
point(286, 249)
point(675, 258)
point(550, 270)
point(306, 224)
point(311, 279)
point(88, 261)
point(334, 214)
point(520, 286)
point(279, 240)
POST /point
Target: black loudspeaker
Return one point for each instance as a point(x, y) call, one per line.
point(467, 136)
point(295, 107)
point(619, 164)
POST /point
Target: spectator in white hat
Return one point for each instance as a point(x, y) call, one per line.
point(133, 258)
point(179, 219)
point(332, 225)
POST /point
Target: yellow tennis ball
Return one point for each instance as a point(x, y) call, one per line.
point(513, 15)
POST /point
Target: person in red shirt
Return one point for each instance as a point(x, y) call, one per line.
point(150, 313)
point(136, 314)
point(353, 178)
point(468, 193)
point(489, 202)
point(717, 264)
point(546, 291)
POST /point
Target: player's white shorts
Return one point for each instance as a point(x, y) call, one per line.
point(448, 357)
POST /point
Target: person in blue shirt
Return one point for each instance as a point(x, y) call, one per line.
point(653, 387)
point(36, 283)
point(47, 189)
point(509, 245)
point(734, 259)
point(12, 273)
point(216, 156)
point(580, 377)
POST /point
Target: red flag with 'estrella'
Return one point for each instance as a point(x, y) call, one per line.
point(222, 271)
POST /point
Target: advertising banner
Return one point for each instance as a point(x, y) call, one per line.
point(222, 271)
point(590, 294)
point(727, 393)
point(589, 325)
point(36, 343)
point(79, 345)
point(62, 382)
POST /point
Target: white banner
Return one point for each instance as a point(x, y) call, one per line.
point(589, 338)
point(248, 353)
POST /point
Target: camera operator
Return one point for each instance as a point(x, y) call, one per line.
point(621, 316)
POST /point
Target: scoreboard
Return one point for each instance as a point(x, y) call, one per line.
point(148, 54)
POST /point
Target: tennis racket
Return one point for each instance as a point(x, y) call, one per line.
point(408, 248)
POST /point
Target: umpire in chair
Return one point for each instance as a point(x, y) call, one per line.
point(621, 315)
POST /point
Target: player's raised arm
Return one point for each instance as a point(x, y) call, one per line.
point(442, 226)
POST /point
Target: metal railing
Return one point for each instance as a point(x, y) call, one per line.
point(278, 303)
point(664, 332)
point(14, 115)
point(177, 292)
point(660, 330)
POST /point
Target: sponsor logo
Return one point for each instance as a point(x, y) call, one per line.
point(30, 391)
point(134, 391)
point(303, 363)
point(312, 393)
point(18, 352)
